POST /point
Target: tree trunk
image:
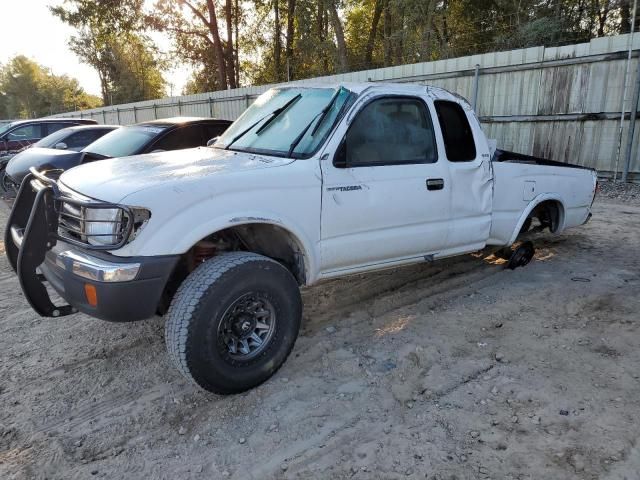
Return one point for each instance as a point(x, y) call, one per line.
point(236, 18)
point(339, 31)
point(426, 46)
point(377, 12)
point(277, 44)
point(231, 71)
point(221, 74)
point(386, 29)
point(319, 24)
point(625, 16)
point(399, 40)
point(444, 44)
point(291, 10)
point(322, 35)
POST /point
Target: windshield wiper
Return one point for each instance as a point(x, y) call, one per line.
point(273, 115)
point(276, 113)
point(322, 114)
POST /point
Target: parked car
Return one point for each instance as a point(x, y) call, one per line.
point(308, 184)
point(57, 148)
point(74, 138)
point(17, 135)
point(158, 135)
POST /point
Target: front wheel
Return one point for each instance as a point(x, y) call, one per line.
point(233, 322)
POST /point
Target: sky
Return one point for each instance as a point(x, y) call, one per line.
point(28, 28)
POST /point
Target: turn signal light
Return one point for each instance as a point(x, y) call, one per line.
point(91, 294)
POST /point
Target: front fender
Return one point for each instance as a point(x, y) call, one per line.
point(178, 235)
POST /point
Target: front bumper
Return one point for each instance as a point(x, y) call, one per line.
point(121, 289)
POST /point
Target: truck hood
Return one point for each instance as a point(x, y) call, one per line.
point(41, 159)
point(114, 179)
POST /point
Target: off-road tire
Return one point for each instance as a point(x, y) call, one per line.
point(198, 308)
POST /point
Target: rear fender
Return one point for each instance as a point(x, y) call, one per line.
point(544, 197)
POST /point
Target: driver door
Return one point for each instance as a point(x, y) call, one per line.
point(386, 194)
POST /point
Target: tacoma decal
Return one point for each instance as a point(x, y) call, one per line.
point(348, 188)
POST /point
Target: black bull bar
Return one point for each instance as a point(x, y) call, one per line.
point(30, 233)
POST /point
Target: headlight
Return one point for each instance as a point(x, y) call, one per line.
point(102, 225)
point(106, 226)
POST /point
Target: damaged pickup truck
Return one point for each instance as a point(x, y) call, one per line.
point(310, 183)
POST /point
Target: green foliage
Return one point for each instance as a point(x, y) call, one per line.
point(28, 90)
point(109, 39)
point(234, 42)
point(393, 32)
point(135, 70)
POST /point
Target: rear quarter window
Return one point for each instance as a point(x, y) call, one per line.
point(456, 131)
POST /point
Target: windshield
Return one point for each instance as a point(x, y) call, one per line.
point(53, 139)
point(6, 127)
point(124, 141)
point(303, 123)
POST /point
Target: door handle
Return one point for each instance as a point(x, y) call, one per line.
point(435, 183)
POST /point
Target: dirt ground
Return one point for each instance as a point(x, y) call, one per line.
point(456, 370)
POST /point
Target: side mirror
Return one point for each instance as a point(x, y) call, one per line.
point(61, 146)
point(340, 158)
point(212, 141)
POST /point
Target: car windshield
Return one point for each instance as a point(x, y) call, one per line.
point(52, 140)
point(124, 141)
point(298, 130)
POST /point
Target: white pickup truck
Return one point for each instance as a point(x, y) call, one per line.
point(310, 183)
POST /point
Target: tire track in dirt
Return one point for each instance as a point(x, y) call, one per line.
point(409, 287)
point(90, 411)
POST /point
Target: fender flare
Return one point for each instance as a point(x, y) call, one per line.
point(543, 197)
point(237, 220)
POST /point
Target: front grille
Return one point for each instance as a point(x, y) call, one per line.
point(70, 221)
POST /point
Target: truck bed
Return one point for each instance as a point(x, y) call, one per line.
point(521, 182)
point(513, 157)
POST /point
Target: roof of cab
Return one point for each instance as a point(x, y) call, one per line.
point(360, 87)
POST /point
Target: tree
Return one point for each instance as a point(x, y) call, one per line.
point(28, 89)
point(339, 33)
point(110, 39)
point(196, 32)
point(290, 37)
point(135, 67)
point(229, 42)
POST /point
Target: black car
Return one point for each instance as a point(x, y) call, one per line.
point(15, 136)
point(155, 136)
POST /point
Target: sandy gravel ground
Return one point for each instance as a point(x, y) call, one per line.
point(456, 370)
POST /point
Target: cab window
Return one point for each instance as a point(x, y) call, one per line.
point(391, 131)
point(456, 131)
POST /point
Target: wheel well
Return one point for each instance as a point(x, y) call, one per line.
point(550, 213)
point(265, 239)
